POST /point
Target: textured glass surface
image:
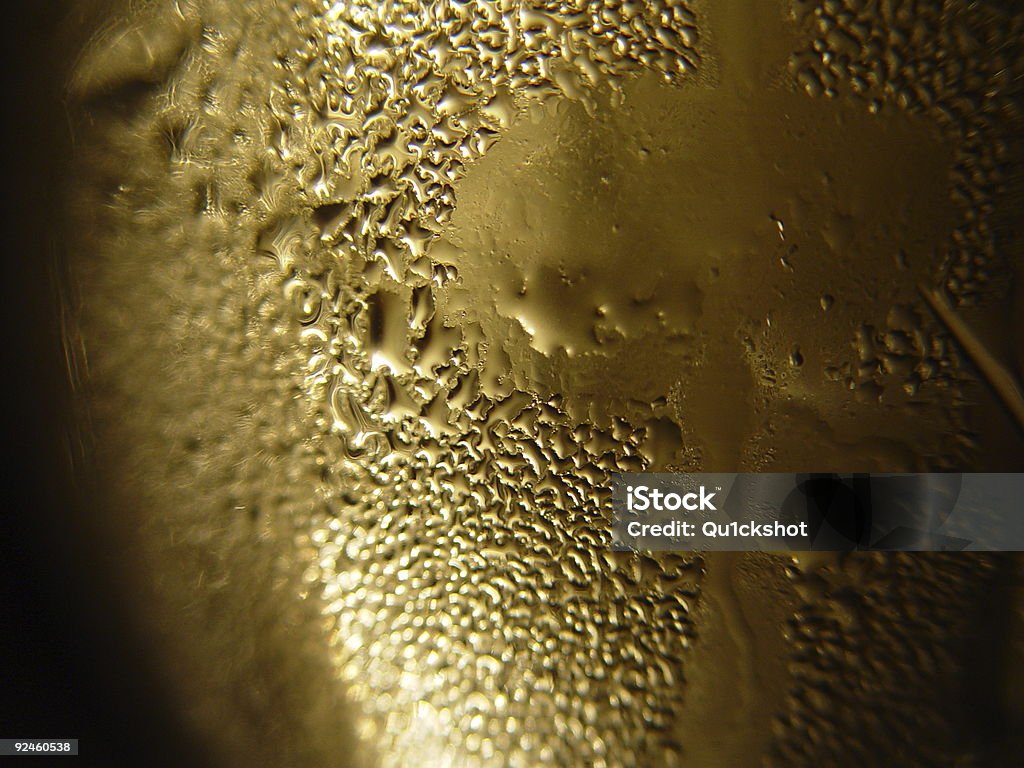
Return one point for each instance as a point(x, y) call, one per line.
point(370, 299)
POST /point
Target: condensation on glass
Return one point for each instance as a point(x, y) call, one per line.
point(371, 299)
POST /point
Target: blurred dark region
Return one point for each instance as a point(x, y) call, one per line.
point(71, 664)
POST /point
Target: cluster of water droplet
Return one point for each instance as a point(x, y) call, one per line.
point(464, 555)
point(868, 651)
point(460, 545)
point(952, 62)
